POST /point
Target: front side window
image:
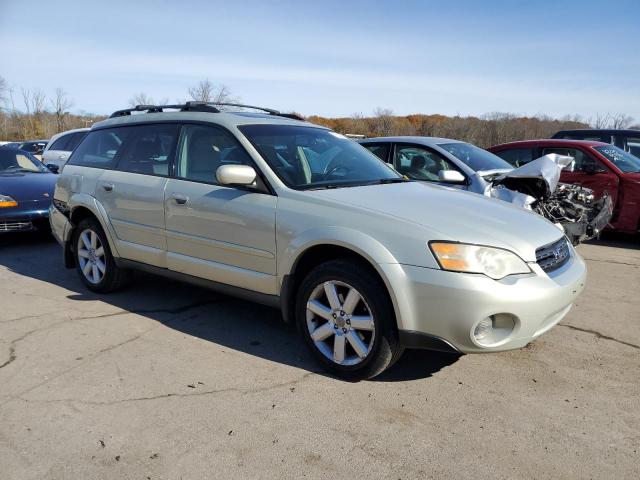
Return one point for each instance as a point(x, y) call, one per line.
point(621, 159)
point(419, 163)
point(100, 147)
point(516, 156)
point(309, 157)
point(203, 149)
point(149, 149)
point(17, 161)
point(476, 158)
point(582, 161)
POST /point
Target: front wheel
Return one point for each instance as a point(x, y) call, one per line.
point(347, 320)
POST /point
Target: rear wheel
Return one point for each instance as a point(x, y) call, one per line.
point(94, 261)
point(347, 320)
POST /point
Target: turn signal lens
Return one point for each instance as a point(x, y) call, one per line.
point(6, 201)
point(493, 262)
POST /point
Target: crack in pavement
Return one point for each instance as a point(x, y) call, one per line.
point(612, 262)
point(13, 343)
point(174, 394)
point(599, 335)
point(12, 348)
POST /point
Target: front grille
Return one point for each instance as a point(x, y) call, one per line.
point(15, 225)
point(553, 256)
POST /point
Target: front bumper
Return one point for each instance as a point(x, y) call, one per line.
point(446, 306)
point(23, 219)
point(60, 225)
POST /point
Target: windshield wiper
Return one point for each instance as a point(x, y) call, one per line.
point(383, 181)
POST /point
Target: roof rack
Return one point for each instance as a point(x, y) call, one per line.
point(195, 106)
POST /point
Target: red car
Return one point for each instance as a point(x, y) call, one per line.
point(599, 166)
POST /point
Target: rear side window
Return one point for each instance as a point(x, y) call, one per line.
point(100, 147)
point(632, 145)
point(74, 140)
point(149, 149)
point(203, 149)
point(516, 156)
point(61, 143)
point(381, 150)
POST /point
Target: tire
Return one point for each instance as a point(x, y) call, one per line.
point(87, 239)
point(330, 329)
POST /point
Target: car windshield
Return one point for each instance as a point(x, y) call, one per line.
point(475, 157)
point(621, 159)
point(308, 157)
point(13, 161)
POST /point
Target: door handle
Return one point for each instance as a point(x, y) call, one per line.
point(62, 156)
point(179, 199)
point(107, 186)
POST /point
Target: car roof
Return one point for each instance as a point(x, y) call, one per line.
point(609, 131)
point(224, 118)
point(551, 141)
point(428, 141)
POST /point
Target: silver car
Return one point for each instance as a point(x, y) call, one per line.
point(295, 216)
point(60, 146)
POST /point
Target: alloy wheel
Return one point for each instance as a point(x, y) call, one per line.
point(340, 323)
point(91, 256)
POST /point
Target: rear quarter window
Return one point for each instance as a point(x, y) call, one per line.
point(100, 148)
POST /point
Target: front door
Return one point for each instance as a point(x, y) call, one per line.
point(215, 232)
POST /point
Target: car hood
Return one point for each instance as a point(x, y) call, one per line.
point(538, 178)
point(450, 214)
point(28, 186)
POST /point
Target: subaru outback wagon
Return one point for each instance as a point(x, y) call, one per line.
point(293, 215)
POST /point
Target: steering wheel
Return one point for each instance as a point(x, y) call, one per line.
point(337, 169)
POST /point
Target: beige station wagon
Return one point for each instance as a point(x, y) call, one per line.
point(272, 208)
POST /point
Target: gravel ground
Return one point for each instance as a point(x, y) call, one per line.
point(168, 381)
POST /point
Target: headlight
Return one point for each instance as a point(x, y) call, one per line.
point(496, 263)
point(6, 201)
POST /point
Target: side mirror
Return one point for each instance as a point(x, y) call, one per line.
point(451, 176)
point(53, 167)
point(236, 175)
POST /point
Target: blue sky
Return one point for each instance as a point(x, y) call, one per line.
point(333, 58)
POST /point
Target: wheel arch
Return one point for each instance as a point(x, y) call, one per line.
point(369, 254)
point(85, 206)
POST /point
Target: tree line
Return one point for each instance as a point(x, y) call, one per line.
point(484, 131)
point(31, 114)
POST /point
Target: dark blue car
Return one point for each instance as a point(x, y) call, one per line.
point(26, 191)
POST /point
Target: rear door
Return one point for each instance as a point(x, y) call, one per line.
point(217, 232)
point(133, 192)
point(588, 171)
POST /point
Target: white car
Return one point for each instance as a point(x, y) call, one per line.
point(61, 145)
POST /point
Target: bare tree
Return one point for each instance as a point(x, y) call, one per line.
point(4, 90)
point(620, 120)
point(141, 99)
point(383, 121)
point(207, 91)
point(602, 120)
point(61, 104)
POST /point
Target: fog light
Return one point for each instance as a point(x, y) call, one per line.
point(494, 330)
point(483, 329)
